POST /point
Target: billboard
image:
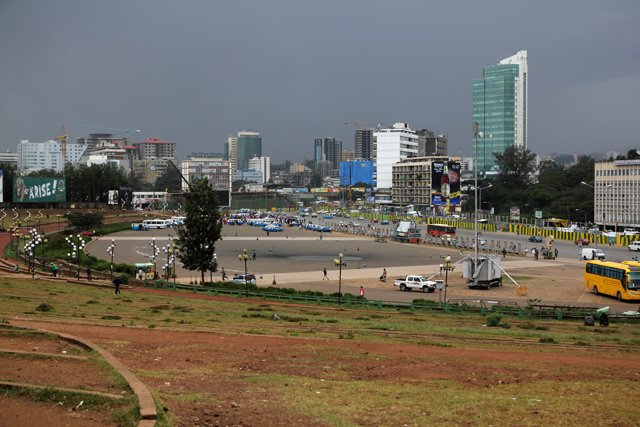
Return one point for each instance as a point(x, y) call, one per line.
point(514, 213)
point(36, 190)
point(113, 197)
point(445, 183)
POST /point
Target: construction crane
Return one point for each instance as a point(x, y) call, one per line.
point(128, 130)
point(63, 145)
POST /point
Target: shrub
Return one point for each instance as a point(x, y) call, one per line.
point(44, 307)
point(494, 320)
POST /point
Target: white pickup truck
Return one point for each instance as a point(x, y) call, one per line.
point(415, 282)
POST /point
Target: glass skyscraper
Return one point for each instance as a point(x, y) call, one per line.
point(500, 101)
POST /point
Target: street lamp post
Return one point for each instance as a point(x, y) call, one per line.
point(477, 133)
point(44, 242)
point(446, 267)
point(154, 254)
point(338, 262)
point(58, 215)
point(111, 251)
point(176, 252)
point(244, 257)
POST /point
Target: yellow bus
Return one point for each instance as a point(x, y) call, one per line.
point(619, 280)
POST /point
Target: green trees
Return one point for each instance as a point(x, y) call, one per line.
point(87, 221)
point(516, 165)
point(558, 191)
point(201, 229)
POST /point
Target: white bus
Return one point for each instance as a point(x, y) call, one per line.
point(176, 220)
point(155, 223)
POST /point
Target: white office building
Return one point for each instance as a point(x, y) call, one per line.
point(263, 165)
point(617, 194)
point(33, 156)
point(214, 168)
point(392, 145)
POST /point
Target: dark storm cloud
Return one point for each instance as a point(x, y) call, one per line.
point(194, 72)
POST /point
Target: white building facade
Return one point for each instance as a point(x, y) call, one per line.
point(33, 156)
point(392, 145)
point(263, 165)
point(617, 193)
point(216, 170)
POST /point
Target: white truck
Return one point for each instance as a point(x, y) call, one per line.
point(415, 282)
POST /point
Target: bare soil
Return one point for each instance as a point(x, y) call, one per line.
point(198, 374)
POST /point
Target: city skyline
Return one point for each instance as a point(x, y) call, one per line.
point(194, 79)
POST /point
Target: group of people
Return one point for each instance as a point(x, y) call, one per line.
point(57, 269)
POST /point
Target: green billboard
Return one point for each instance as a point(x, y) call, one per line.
point(35, 190)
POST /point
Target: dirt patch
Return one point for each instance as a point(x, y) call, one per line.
point(210, 379)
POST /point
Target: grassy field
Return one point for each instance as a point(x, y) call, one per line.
point(347, 367)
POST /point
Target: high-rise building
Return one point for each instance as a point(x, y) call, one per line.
point(239, 149)
point(364, 144)
point(430, 144)
point(210, 166)
point(500, 101)
point(390, 146)
point(262, 165)
point(33, 156)
point(330, 150)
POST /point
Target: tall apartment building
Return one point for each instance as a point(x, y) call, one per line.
point(430, 144)
point(390, 146)
point(239, 149)
point(364, 144)
point(211, 166)
point(33, 156)
point(153, 148)
point(500, 106)
point(329, 150)
point(262, 165)
point(617, 193)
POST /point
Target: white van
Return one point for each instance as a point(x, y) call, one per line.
point(635, 246)
point(591, 253)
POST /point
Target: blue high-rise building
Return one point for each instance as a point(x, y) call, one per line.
point(500, 101)
point(356, 171)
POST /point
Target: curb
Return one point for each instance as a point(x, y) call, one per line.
point(148, 414)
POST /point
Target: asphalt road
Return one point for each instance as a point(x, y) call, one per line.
point(296, 258)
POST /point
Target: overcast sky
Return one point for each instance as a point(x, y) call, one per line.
point(195, 72)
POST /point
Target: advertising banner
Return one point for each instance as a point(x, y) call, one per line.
point(445, 183)
point(514, 214)
point(113, 197)
point(35, 190)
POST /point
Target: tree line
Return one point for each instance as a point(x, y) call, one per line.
point(92, 183)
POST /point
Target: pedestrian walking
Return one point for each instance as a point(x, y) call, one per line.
point(361, 291)
point(89, 274)
point(556, 252)
point(54, 269)
point(60, 271)
point(325, 274)
point(224, 275)
point(504, 252)
point(117, 282)
point(254, 254)
point(526, 251)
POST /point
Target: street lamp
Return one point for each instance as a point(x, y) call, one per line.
point(111, 251)
point(480, 196)
point(58, 215)
point(75, 248)
point(44, 242)
point(176, 252)
point(446, 267)
point(477, 133)
point(154, 253)
point(338, 262)
point(244, 257)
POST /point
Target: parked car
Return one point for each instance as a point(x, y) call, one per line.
point(384, 222)
point(583, 242)
point(239, 279)
point(86, 233)
point(535, 239)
